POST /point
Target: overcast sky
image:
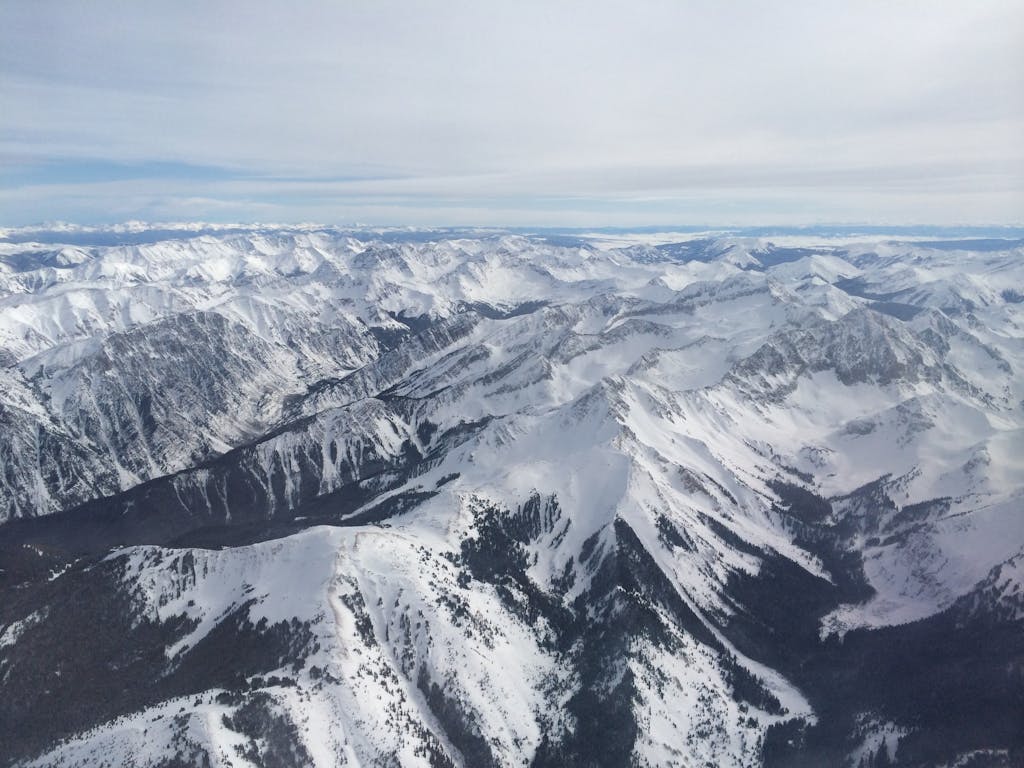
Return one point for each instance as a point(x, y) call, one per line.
point(532, 113)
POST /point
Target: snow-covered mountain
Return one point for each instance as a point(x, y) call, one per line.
point(324, 497)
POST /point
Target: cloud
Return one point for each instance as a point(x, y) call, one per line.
point(516, 111)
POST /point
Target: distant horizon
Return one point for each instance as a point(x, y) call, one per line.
point(128, 222)
point(137, 232)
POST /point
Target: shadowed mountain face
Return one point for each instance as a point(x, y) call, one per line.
point(280, 497)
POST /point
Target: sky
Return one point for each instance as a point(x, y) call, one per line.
point(594, 113)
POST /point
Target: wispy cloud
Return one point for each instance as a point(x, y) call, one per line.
point(459, 112)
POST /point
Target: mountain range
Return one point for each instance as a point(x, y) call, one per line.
point(315, 496)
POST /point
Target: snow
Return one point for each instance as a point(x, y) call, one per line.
point(275, 580)
point(640, 390)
